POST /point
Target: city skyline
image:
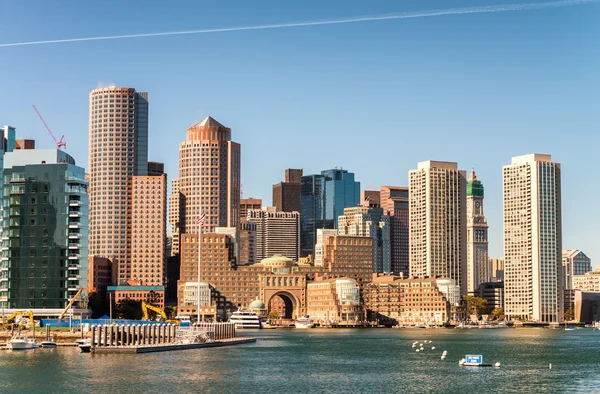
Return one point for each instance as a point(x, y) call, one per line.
point(487, 98)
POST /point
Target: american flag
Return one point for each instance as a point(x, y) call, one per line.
point(201, 218)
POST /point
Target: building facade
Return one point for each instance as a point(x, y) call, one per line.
point(276, 232)
point(574, 262)
point(209, 178)
point(334, 301)
point(286, 194)
point(533, 274)
point(323, 198)
point(45, 232)
point(394, 201)
point(497, 267)
point(369, 221)
point(322, 234)
point(118, 149)
point(478, 267)
point(438, 226)
point(391, 299)
point(590, 281)
point(247, 204)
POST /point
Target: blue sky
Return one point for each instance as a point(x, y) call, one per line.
point(373, 97)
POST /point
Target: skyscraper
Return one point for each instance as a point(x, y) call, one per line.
point(394, 201)
point(45, 232)
point(533, 275)
point(478, 266)
point(209, 178)
point(118, 149)
point(276, 233)
point(369, 222)
point(247, 204)
point(322, 200)
point(286, 194)
point(438, 222)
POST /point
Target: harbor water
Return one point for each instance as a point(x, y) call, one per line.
point(332, 361)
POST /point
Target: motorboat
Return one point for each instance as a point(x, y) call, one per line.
point(304, 322)
point(48, 344)
point(245, 320)
point(22, 343)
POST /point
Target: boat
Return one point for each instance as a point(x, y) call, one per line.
point(569, 329)
point(475, 361)
point(48, 344)
point(22, 343)
point(245, 320)
point(304, 322)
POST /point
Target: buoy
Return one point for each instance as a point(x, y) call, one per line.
point(497, 365)
point(413, 345)
point(417, 350)
point(433, 348)
point(443, 357)
point(550, 366)
point(461, 362)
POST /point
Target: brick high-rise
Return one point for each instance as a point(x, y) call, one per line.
point(286, 194)
point(394, 201)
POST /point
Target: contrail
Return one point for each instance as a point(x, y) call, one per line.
point(403, 15)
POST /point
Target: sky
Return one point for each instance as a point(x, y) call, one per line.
point(374, 97)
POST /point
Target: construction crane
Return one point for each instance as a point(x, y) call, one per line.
point(162, 313)
point(71, 303)
point(20, 313)
point(59, 143)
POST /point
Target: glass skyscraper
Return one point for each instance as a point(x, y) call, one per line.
point(45, 232)
point(323, 198)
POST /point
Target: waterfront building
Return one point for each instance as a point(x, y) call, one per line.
point(118, 150)
point(392, 299)
point(276, 232)
point(478, 268)
point(492, 292)
point(100, 276)
point(209, 179)
point(348, 256)
point(586, 306)
point(153, 295)
point(323, 198)
point(394, 201)
point(533, 274)
point(175, 215)
point(286, 194)
point(247, 244)
point(247, 204)
point(44, 259)
point(590, 281)
point(369, 221)
point(334, 301)
point(322, 234)
point(438, 225)
point(497, 267)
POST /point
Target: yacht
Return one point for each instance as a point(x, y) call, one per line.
point(245, 320)
point(48, 344)
point(22, 343)
point(304, 322)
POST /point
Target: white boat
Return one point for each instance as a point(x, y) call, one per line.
point(48, 344)
point(304, 322)
point(245, 320)
point(22, 343)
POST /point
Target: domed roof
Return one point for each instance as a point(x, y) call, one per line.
point(277, 260)
point(257, 304)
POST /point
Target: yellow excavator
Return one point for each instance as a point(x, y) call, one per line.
point(12, 319)
point(162, 313)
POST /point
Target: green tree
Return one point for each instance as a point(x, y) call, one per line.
point(129, 309)
point(498, 312)
point(274, 315)
point(97, 304)
point(170, 311)
point(477, 305)
point(569, 315)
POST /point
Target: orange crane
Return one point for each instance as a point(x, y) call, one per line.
point(59, 143)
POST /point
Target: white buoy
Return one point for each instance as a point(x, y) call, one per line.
point(418, 350)
point(413, 345)
point(433, 348)
point(443, 357)
point(550, 366)
point(497, 365)
point(461, 362)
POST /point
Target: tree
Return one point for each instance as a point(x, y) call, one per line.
point(274, 315)
point(569, 315)
point(498, 312)
point(477, 305)
point(97, 305)
point(171, 311)
point(129, 309)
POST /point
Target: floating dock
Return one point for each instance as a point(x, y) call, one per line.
point(169, 347)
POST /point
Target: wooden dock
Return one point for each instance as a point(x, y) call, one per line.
point(167, 347)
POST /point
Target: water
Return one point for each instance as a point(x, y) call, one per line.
point(332, 361)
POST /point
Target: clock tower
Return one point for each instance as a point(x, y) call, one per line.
point(478, 270)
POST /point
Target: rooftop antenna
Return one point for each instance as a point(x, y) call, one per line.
point(59, 143)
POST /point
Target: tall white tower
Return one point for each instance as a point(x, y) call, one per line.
point(478, 270)
point(533, 276)
point(438, 222)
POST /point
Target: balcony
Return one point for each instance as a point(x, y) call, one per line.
point(74, 235)
point(17, 191)
point(74, 246)
point(73, 277)
point(75, 225)
point(73, 267)
point(75, 203)
point(74, 256)
point(75, 214)
point(71, 288)
point(16, 179)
